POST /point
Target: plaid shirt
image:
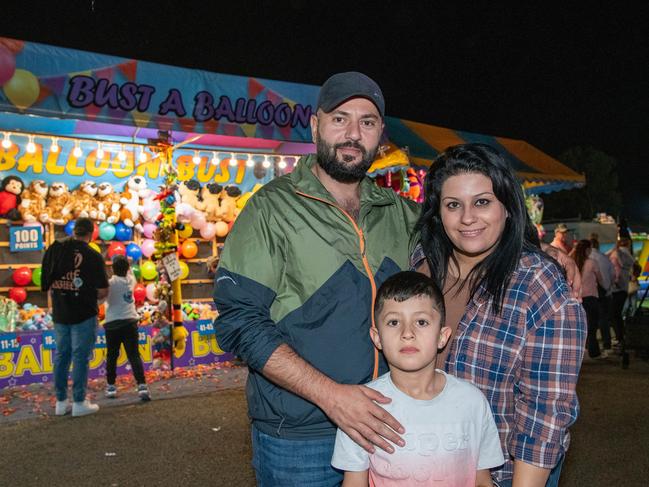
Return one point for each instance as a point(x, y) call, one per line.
point(526, 361)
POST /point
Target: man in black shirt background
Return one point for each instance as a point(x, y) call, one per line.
point(75, 275)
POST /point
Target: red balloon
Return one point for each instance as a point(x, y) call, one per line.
point(139, 293)
point(95, 231)
point(116, 248)
point(18, 294)
point(22, 276)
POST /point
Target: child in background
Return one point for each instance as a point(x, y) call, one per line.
point(451, 436)
point(121, 328)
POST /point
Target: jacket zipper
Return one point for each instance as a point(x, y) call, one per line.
point(366, 264)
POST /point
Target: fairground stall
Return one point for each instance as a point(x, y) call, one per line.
point(163, 159)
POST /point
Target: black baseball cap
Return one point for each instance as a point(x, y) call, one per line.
point(343, 86)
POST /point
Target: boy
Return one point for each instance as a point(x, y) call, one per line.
point(121, 328)
point(451, 437)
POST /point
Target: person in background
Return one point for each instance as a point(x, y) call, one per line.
point(75, 276)
point(409, 330)
point(121, 328)
point(604, 298)
point(518, 333)
point(560, 240)
point(622, 261)
point(591, 279)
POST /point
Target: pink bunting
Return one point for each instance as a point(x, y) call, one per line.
point(254, 88)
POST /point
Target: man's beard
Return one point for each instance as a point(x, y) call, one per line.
point(344, 172)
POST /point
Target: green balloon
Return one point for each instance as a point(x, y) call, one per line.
point(136, 272)
point(36, 276)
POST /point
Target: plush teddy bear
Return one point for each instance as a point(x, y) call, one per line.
point(33, 200)
point(229, 210)
point(135, 189)
point(211, 194)
point(10, 190)
point(83, 199)
point(57, 210)
point(107, 205)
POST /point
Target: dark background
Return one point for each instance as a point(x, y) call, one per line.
point(557, 77)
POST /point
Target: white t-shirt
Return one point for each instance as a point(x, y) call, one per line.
point(120, 304)
point(448, 438)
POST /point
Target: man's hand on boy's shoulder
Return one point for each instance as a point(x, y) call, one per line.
point(354, 410)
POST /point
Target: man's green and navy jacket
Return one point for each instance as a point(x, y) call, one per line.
point(297, 269)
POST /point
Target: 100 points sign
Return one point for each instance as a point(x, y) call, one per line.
point(24, 239)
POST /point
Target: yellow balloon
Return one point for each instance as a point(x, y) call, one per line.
point(22, 89)
point(186, 232)
point(184, 270)
point(148, 270)
point(94, 247)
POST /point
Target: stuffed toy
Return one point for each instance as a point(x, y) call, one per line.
point(107, 205)
point(83, 200)
point(10, 191)
point(8, 314)
point(33, 200)
point(57, 210)
point(229, 210)
point(179, 337)
point(210, 194)
point(414, 186)
point(135, 189)
point(150, 207)
point(190, 193)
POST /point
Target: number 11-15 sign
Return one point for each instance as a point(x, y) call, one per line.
point(24, 239)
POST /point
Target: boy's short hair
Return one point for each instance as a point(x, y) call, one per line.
point(409, 284)
point(83, 227)
point(120, 265)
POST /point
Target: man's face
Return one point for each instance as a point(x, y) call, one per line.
point(347, 139)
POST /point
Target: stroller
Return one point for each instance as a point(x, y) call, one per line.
point(636, 334)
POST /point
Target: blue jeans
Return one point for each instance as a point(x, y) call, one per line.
point(74, 343)
point(553, 479)
point(284, 463)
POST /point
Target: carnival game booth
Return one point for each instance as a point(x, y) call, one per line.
point(163, 159)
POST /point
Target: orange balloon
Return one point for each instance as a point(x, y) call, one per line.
point(222, 229)
point(189, 249)
point(22, 89)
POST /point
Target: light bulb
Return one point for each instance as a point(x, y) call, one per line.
point(249, 161)
point(55, 145)
point(196, 159)
point(266, 162)
point(142, 156)
point(121, 155)
point(282, 163)
point(100, 151)
point(77, 152)
point(31, 147)
point(214, 160)
point(6, 142)
point(233, 161)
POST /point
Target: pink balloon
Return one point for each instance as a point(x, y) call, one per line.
point(7, 65)
point(208, 231)
point(148, 229)
point(198, 220)
point(148, 247)
point(150, 293)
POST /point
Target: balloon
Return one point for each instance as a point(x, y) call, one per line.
point(14, 45)
point(36, 276)
point(122, 232)
point(208, 231)
point(18, 294)
point(148, 247)
point(189, 249)
point(106, 231)
point(198, 220)
point(22, 89)
point(150, 293)
point(95, 232)
point(148, 270)
point(95, 247)
point(115, 248)
point(7, 65)
point(186, 232)
point(133, 251)
point(184, 270)
point(22, 276)
point(136, 272)
point(148, 228)
point(69, 228)
point(222, 229)
point(139, 293)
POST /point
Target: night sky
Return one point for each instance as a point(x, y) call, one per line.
point(556, 78)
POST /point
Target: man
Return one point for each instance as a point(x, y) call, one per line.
point(76, 277)
point(604, 299)
point(561, 238)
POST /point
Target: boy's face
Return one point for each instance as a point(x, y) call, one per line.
point(409, 333)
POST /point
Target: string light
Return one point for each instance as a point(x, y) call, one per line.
point(249, 161)
point(282, 163)
point(196, 159)
point(77, 152)
point(266, 162)
point(215, 160)
point(233, 160)
point(6, 142)
point(31, 147)
point(121, 155)
point(55, 145)
point(100, 151)
point(142, 156)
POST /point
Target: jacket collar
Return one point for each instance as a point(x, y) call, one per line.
point(306, 182)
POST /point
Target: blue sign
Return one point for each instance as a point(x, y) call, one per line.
point(141, 336)
point(25, 239)
point(101, 339)
point(205, 327)
point(9, 343)
point(49, 340)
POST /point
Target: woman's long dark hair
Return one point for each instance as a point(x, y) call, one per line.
point(495, 270)
point(581, 253)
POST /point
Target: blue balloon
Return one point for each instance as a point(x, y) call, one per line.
point(69, 227)
point(134, 251)
point(122, 232)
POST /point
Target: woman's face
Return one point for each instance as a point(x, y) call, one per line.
point(472, 216)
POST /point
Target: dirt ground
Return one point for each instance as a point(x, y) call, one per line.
point(202, 438)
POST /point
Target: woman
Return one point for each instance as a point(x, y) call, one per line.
point(622, 260)
point(518, 334)
point(591, 277)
